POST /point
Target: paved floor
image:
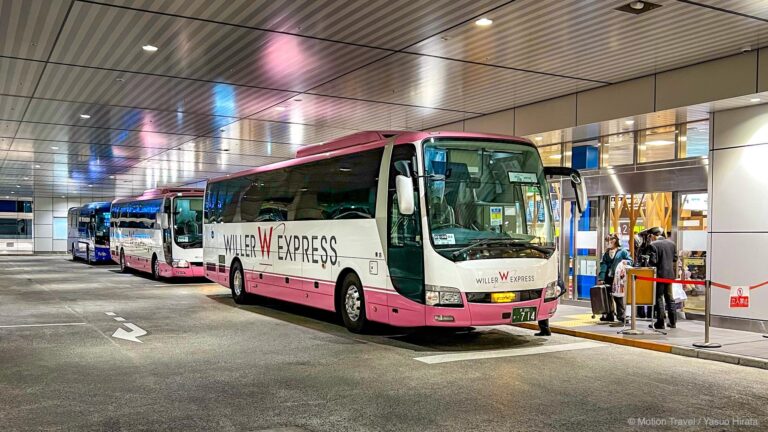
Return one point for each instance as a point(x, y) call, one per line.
point(685, 335)
point(207, 364)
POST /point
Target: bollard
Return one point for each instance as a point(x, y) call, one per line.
point(707, 317)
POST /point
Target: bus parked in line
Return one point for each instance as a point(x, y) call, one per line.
point(404, 228)
point(88, 232)
point(159, 232)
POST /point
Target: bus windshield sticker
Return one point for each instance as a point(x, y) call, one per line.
point(496, 216)
point(509, 211)
point(522, 177)
point(443, 239)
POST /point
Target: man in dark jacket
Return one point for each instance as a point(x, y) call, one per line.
point(663, 256)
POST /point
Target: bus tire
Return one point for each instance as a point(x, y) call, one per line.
point(352, 304)
point(88, 254)
point(123, 266)
point(237, 283)
point(155, 268)
point(74, 256)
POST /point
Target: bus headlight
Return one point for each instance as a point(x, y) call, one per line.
point(442, 296)
point(552, 291)
point(180, 263)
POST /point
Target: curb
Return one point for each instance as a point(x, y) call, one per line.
point(658, 347)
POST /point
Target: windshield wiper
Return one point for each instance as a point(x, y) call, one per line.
point(517, 243)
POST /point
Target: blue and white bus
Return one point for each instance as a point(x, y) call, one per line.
point(88, 233)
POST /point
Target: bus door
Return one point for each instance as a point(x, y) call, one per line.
point(167, 235)
point(405, 255)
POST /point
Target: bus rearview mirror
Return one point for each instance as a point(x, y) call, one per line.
point(577, 182)
point(164, 221)
point(404, 190)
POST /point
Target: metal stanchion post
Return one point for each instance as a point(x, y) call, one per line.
point(633, 327)
point(707, 318)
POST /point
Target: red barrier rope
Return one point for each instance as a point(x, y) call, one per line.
point(694, 282)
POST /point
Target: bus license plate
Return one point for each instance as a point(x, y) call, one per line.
point(523, 314)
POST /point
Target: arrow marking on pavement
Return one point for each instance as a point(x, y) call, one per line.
point(132, 335)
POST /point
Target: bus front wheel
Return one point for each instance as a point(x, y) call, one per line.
point(74, 256)
point(123, 267)
point(155, 268)
point(352, 304)
point(237, 284)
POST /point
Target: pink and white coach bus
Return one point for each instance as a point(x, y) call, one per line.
point(404, 228)
point(159, 232)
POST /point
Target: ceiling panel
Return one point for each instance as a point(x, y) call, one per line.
point(755, 8)
point(439, 83)
point(79, 84)
point(8, 128)
point(240, 147)
point(19, 77)
point(108, 37)
point(592, 40)
point(12, 107)
point(28, 28)
point(291, 133)
point(101, 116)
point(355, 114)
point(97, 154)
point(392, 24)
point(117, 138)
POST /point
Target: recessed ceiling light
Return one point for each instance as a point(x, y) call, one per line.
point(298, 99)
point(90, 185)
point(54, 148)
point(85, 116)
point(280, 108)
point(539, 138)
point(755, 100)
point(18, 186)
point(637, 5)
point(120, 79)
point(345, 169)
point(149, 48)
point(26, 178)
point(37, 166)
point(13, 192)
point(629, 122)
point(63, 196)
point(112, 176)
point(483, 22)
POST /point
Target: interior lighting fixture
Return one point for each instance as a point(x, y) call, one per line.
point(54, 148)
point(90, 185)
point(111, 176)
point(755, 100)
point(279, 108)
point(85, 116)
point(539, 138)
point(629, 122)
point(149, 48)
point(638, 7)
point(484, 22)
point(659, 143)
point(37, 166)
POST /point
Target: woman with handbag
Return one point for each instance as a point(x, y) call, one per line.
point(614, 254)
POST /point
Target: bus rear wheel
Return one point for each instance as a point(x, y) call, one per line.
point(88, 254)
point(237, 284)
point(352, 304)
point(74, 256)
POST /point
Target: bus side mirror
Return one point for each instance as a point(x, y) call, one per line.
point(577, 182)
point(164, 221)
point(404, 190)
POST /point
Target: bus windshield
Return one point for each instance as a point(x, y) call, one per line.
point(188, 222)
point(487, 199)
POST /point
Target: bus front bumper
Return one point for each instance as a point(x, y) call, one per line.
point(193, 270)
point(487, 314)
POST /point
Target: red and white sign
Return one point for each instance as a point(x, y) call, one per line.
point(739, 297)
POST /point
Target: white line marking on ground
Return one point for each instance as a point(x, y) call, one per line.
point(42, 325)
point(513, 352)
point(180, 284)
point(110, 313)
point(121, 319)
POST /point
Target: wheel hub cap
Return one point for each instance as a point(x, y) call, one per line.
point(238, 283)
point(352, 303)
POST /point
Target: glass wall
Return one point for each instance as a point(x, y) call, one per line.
point(682, 141)
point(16, 226)
point(692, 246)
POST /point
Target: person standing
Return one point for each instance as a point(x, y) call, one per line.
point(663, 256)
point(613, 255)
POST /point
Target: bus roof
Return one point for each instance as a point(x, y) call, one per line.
point(160, 193)
point(362, 141)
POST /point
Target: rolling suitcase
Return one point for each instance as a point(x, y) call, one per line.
point(601, 302)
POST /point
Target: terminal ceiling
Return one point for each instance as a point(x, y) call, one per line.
point(85, 110)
